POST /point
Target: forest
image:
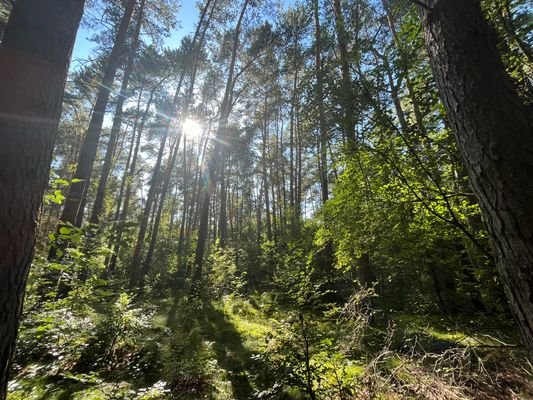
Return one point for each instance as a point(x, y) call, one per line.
point(266, 199)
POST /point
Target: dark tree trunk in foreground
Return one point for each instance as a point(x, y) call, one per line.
point(74, 204)
point(495, 137)
point(32, 80)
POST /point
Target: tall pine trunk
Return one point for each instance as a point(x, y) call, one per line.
point(214, 160)
point(34, 59)
point(117, 121)
point(75, 202)
point(494, 132)
point(347, 92)
point(319, 75)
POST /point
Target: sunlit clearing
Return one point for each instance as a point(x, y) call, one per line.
point(192, 128)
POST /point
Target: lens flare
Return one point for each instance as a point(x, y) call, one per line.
point(191, 128)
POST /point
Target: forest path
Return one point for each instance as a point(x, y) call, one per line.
point(232, 340)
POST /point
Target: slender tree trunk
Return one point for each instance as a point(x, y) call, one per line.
point(196, 46)
point(117, 121)
point(292, 135)
point(74, 204)
point(347, 92)
point(299, 163)
point(157, 218)
point(266, 184)
point(319, 74)
point(134, 272)
point(34, 58)
point(258, 206)
point(494, 129)
point(223, 218)
point(122, 213)
point(214, 161)
point(404, 62)
point(185, 209)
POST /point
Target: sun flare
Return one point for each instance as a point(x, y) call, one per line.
point(191, 128)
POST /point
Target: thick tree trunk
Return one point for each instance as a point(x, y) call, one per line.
point(34, 59)
point(494, 132)
point(74, 204)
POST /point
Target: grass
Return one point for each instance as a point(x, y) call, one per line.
point(232, 349)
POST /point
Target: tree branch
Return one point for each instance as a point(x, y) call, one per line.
point(421, 4)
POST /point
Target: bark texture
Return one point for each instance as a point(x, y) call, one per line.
point(494, 132)
point(32, 79)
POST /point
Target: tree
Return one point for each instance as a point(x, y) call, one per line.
point(117, 120)
point(34, 59)
point(216, 158)
point(75, 203)
point(493, 128)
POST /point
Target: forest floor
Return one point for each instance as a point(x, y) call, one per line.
point(233, 349)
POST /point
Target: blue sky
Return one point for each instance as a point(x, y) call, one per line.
point(187, 18)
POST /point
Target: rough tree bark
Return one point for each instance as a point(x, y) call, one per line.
point(32, 78)
point(493, 128)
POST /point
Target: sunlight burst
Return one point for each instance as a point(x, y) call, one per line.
point(191, 128)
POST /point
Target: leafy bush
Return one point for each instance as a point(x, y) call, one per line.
point(189, 363)
point(223, 274)
point(117, 334)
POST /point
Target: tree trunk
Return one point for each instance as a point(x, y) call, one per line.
point(122, 214)
point(117, 122)
point(214, 161)
point(134, 272)
point(347, 92)
point(74, 204)
point(34, 59)
point(494, 133)
point(319, 74)
point(196, 47)
point(266, 184)
point(223, 217)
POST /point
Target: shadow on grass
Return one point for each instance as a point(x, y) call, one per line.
point(230, 352)
point(227, 345)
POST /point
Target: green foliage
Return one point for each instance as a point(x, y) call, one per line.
point(119, 333)
point(276, 315)
point(57, 186)
point(223, 273)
